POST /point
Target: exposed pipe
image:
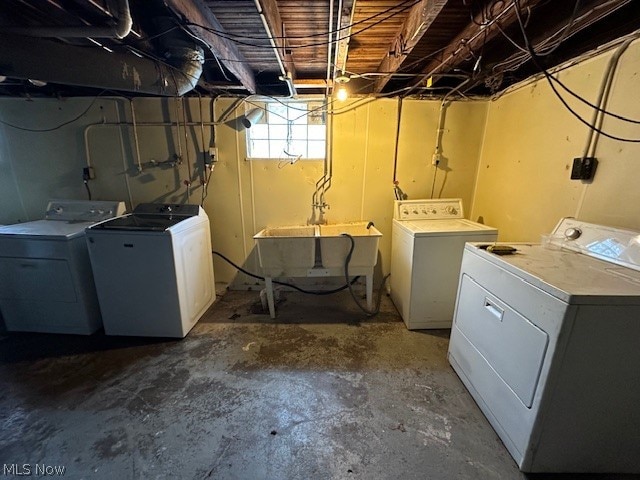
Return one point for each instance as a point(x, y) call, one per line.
point(135, 135)
point(397, 144)
point(437, 154)
point(120, 30)
point(286, 76)
point(186, 149)
point(598, 116)
point(329, 45)
point(336, 48)
point(122, 153)
point(46, 60)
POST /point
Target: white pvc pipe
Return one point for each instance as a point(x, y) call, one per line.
point(120, 30)
point(329, 46)
point(285, 75)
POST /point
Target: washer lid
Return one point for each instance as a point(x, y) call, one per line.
point(152, 217)
point(141, 222)
point(447, 227)
point(46, 229)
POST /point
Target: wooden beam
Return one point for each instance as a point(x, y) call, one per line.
point(420, 18)
point(197, 12)
point(304, 83)
point(346, 19)
point(269, 8)
point(474, 35)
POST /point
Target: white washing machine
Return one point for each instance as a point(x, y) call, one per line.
point(426, 252)
point(153, 270)
point(547, 341)
point(46, 284)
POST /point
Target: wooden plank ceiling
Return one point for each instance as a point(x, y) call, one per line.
point(285, 47)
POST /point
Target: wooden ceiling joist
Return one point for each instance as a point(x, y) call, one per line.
point(474, 35)
point(197, 12)
point(420, 18)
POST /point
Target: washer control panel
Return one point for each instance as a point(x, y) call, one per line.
point(428, 209)
point(83, 210)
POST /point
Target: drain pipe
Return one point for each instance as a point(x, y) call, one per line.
point(437, 154)
point(286, 76)
point(120, 30)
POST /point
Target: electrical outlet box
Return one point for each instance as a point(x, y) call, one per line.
point(584, 168)
point(213, 154)
point(88, 173)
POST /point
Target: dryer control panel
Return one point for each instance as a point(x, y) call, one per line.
point(428, 209)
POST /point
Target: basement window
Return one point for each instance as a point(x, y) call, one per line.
point(287, 131)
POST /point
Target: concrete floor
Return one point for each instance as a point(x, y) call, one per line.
point(322, 392)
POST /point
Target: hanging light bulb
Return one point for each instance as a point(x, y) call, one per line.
point(342, 93)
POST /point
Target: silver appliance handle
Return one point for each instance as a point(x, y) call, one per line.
point(494, 309)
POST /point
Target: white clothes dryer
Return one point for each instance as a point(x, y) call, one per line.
point(546, 341)
point(426, 253)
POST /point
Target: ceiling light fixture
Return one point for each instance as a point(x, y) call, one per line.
point(341, 93)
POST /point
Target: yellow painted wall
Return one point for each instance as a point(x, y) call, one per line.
point(524, 142)
point(250, 195)
point(523, 185)
point(244, 196)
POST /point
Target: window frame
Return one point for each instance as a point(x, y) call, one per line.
point(313, 105)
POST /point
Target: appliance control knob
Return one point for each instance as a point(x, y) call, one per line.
point(451, 210)
point(405, 212)
point(572, 233)
point(415, 212)
point(434, 211)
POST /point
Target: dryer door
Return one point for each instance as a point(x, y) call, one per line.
point(513, 346)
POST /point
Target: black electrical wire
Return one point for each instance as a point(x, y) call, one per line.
point(307, 45)
point(376, 310)
point(435, 173)
point(86, 185)
point(557, 80)
point(550, 79)
point(295, 287)
point(232, 36)
point(572, 19)
point(41, 130)
point(595, 107)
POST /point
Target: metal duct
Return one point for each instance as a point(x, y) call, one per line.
point(120, 30)
point(50, 61)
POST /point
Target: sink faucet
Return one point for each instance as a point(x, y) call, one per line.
point(317, 215)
